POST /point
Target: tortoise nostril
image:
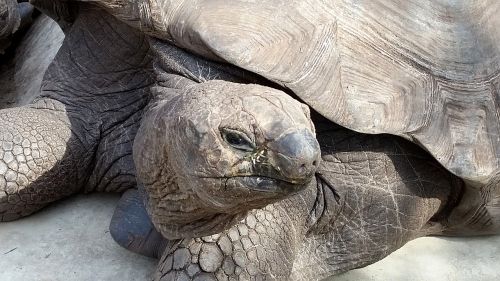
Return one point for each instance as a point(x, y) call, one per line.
point(298, 154)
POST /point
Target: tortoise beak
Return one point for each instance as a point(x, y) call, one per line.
point(285, 165)
point(296, 156)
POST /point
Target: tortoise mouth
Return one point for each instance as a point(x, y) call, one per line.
point(271, 185)
point(263, 184)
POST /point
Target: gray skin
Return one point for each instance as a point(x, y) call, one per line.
point(236, 180)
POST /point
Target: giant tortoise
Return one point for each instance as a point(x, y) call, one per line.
point(198, 104)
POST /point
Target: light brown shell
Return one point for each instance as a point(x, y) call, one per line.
point(427, 70)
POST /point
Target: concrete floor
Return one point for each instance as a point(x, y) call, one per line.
point(436, 259)
point(70, 241)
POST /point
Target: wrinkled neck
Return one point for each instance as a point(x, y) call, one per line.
point(178, 213)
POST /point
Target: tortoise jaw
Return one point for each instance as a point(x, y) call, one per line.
point(272, 185)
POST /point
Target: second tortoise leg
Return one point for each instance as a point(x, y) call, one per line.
point(41, 159)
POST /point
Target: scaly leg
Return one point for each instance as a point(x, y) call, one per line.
point(41, 159)
point(260, 247)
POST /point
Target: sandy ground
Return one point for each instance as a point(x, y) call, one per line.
point(70, 241)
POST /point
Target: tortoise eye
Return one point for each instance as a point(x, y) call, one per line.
point(237, 139)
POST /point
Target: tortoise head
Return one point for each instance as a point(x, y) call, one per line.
point(227, 148)
point(242, 144)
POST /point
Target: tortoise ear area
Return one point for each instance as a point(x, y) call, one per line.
point(195, 131)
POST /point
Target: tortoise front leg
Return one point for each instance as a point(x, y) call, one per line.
point(41, 159)
point(260, 247)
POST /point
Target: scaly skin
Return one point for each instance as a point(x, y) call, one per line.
point(37, 149)
point(78, 135)
point(388, 193)
point(382, 192)
point(260, 247)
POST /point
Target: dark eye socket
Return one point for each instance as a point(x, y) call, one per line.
point(237, 139)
